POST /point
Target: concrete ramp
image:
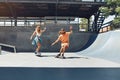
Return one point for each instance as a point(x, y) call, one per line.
point(106, 46)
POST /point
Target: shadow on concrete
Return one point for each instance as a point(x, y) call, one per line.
point(76, 57)
point(47, 56)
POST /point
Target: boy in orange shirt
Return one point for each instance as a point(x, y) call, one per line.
point(64, 39)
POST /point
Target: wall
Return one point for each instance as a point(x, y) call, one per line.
point(20, 37)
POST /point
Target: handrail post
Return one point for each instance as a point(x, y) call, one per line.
point(1, 44)
point(0, 50)
point(14, 50)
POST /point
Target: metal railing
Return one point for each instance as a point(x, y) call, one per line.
point(6, 45)
point(106, 27)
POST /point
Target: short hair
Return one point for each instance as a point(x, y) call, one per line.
point(62, 31)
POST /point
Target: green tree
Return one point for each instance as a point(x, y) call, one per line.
point(83, 23)
point(112, 8)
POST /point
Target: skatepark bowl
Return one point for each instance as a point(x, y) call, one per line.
point(100, 61)
point(106, 46)
point(104, 49)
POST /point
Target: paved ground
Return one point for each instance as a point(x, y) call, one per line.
point(49, 60)
point(101, 61)
point(104, 52)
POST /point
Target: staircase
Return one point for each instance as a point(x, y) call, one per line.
point(98, 21)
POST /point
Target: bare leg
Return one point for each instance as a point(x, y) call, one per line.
point(59, 53)
point(63, 50)
point(38, 49)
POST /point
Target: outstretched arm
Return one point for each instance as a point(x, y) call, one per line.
point(44, 29)
point(55, 42)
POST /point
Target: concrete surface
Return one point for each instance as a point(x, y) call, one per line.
point(106, 46)
point(48, 60)
point(98, 62)
point(104, 52)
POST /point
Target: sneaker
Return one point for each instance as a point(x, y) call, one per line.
point(57, 56)
point(38, 55)
point(62, 57)
point(62, 54)
point(35, 52)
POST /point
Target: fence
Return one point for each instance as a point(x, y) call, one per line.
point(1, 44)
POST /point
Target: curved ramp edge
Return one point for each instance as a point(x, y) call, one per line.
point(106, 46)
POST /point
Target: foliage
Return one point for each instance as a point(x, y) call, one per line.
point(117, 10)
point(116, 23)
point(112, 7)
point(105, 10)
point(83, 23)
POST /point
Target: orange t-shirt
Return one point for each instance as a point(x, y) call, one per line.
point(64, 38)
